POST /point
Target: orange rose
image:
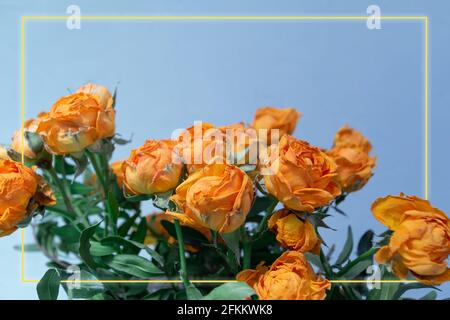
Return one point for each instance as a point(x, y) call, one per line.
point(200, 145)
point(22, 192)
point(354, 167)
point(103, 94)
point(348, 137)
point(302, 176)
point(290, 277)
point(251, 276)
point(421, 239)
point(219, 197)
point(77, 121)
point(351, 154)
point(294, 233)
point(156, 229)
point(284, 120)
point(152, 168)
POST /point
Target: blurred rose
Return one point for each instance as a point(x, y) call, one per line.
point(421, 239)
point(290, 277)
point(16, 143)
point(219, 197)
point(151, 168)
point(22, 191)
point(302, 176)
point(116, 168)
point(294, 233)
point(284, 120)
point(77, 121)
point(4, 153)
point(156, 229)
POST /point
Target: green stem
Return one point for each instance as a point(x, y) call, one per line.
point(247, 248)
point(72, 211)
point(100, 176)
point(62, 189)
point(183, 271)
point(98, 171)
point(269, 212)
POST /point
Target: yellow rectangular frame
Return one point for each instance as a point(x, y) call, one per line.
point(223, 18)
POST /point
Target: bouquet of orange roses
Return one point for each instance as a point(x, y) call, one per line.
point(238, 211)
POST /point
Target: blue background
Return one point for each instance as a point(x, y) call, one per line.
point(172, 73)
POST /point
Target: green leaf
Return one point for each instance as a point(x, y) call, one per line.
point(133, 265)
point(87, 290)
point(80, 188)
point(432, 295)
point(232, 242)
point(357, 269)
point(193, 293)
point(314, 259)
point(85, 245)
point(231, 291)
point(347, 250)
point(411, 286)
point(141, 232)
point(161, 294)
point(61, 166)
point(68, 233)
point(102, 296)
point(48, 286)
point(130, 243)
point(365, 242)
point(81, 163)
point(99, 250)
point(126, 226)
point(388, 289)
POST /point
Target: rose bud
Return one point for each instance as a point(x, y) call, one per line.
point(22, 192)
point(284, 120)
point(348, 137)
point(294, 233)
point(152, 168)
point(156, 229)
point(301, 176)
point(116, 168)
point(219, 197)
point(420, 243)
